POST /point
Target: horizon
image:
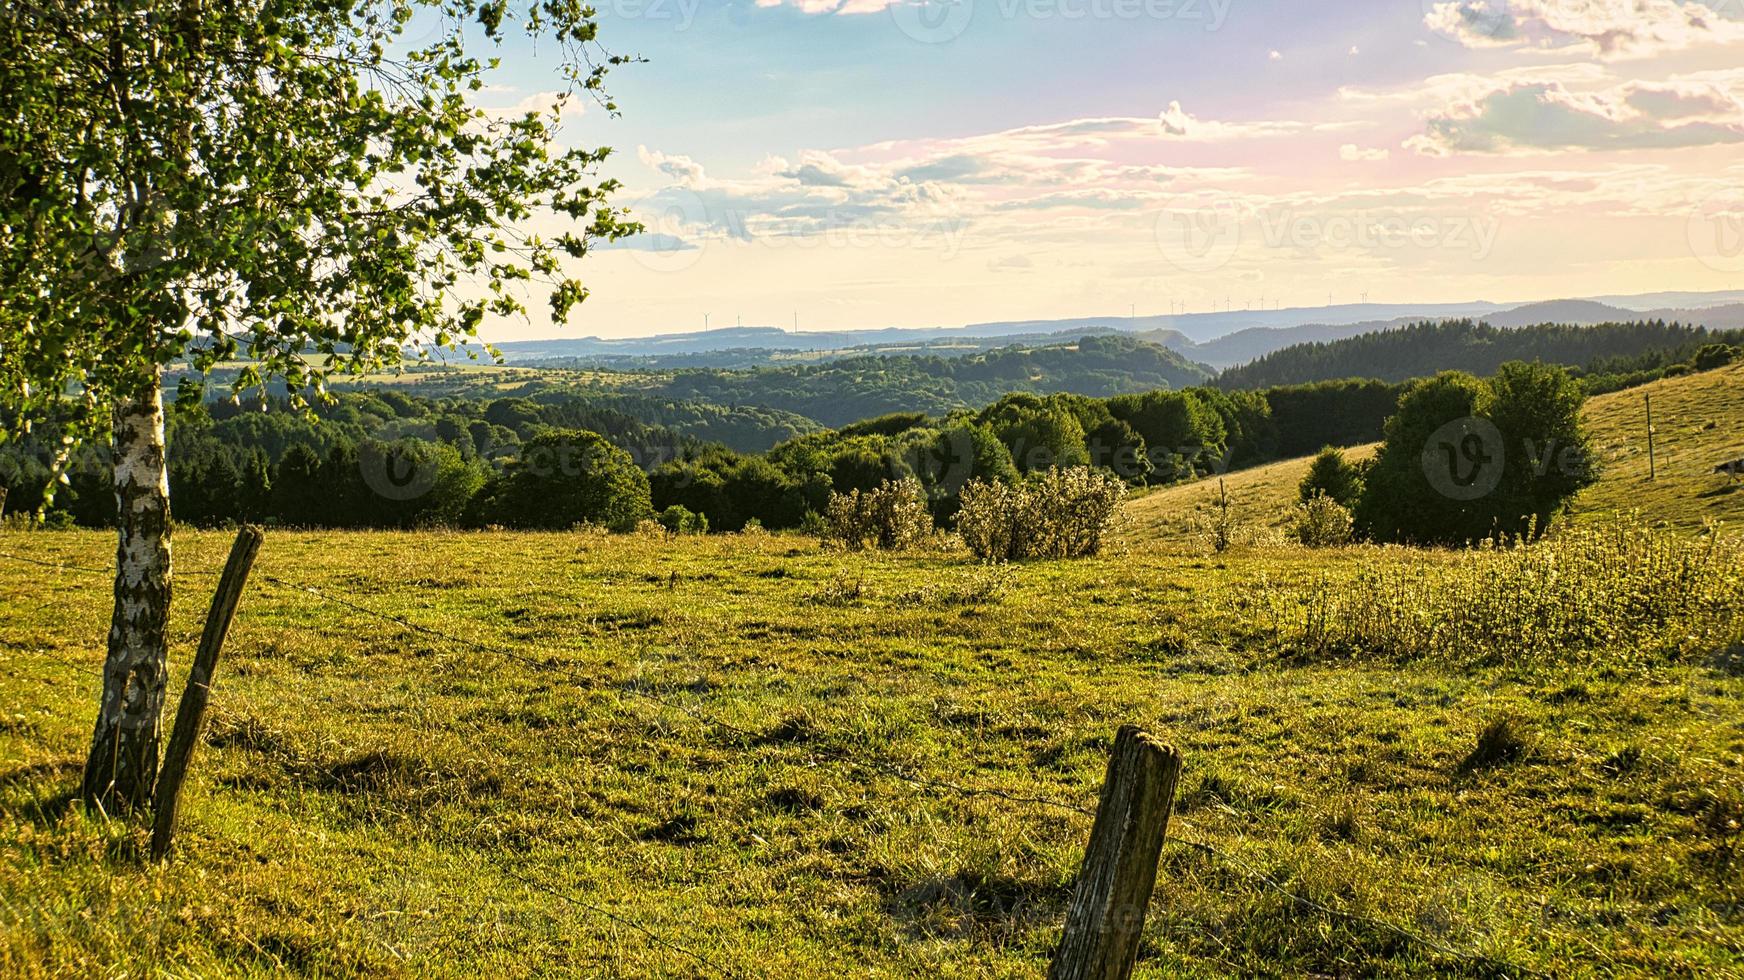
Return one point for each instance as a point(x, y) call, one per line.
point(1718, 298)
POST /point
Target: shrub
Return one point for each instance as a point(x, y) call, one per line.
point(1334, 477)
point(679, 519)
point(892, 516)
point(1057, 514)
point(1322, 522)
point(567, 476)
point(1465, 459)
point(1714, 356)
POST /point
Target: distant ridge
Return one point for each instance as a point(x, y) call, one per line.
point(1219, 339)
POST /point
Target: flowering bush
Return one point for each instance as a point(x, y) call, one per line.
point(893, 516)
point(1061, 513)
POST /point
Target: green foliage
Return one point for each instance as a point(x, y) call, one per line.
point(678, 520)
point(1333, 477)
point(567, 477)
point(1713, 356)
point(844, 392)
point(1550, 458)
point(1424, 349)
point(1060, 513)
point(1466, 459)
point(1183, 433)
point(211, 183)
point(1040, 433)
point(891, 517)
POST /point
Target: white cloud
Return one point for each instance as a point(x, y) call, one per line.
point(1352, 153)
point(1538, 117)
point(1611, 28)
point(565, 105)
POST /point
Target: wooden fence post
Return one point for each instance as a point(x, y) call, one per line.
point(1106, 917)
point(191, 715)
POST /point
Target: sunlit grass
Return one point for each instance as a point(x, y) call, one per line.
point(680, 733)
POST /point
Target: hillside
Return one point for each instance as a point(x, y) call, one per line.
point(841, 392)
point(1699, 421)
point(1423, 349)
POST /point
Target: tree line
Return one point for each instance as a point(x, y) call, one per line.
point(1601, 352)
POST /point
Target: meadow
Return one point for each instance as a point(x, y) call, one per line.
point(455, 754)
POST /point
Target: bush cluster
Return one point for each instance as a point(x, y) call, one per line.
point(1060, 513)
point(891, 516)
point(1322, 522)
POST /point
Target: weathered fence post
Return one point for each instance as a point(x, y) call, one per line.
point(191, 715)
point(1106, 917)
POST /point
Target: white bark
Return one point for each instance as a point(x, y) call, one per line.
point(122, 770)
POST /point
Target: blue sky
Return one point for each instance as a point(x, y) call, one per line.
point(864, 163)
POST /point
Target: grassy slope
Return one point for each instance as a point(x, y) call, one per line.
point(1699, 420)
point(378, 801)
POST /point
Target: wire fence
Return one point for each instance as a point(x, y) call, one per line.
point(1243, 868)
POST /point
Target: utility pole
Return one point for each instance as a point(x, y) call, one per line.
point(705, 322)
point(1652, 464)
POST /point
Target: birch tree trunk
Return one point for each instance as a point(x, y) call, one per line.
point(121, 773)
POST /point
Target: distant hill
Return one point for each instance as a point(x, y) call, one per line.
point(1220, 339)
point(839, 392)
point(1423, 349)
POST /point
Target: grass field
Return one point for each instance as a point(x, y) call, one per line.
point(724, 756)
point(1698, 421)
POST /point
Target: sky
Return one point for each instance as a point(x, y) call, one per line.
point(851, 164)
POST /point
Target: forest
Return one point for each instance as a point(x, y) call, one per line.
point(1610, 355)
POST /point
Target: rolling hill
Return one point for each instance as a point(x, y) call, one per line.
point(1423, 349)
point(1699, 423)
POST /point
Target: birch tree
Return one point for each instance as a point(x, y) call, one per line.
point(295, 188)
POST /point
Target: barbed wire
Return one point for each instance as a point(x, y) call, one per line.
point(92, 570)
point(1244, 868)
